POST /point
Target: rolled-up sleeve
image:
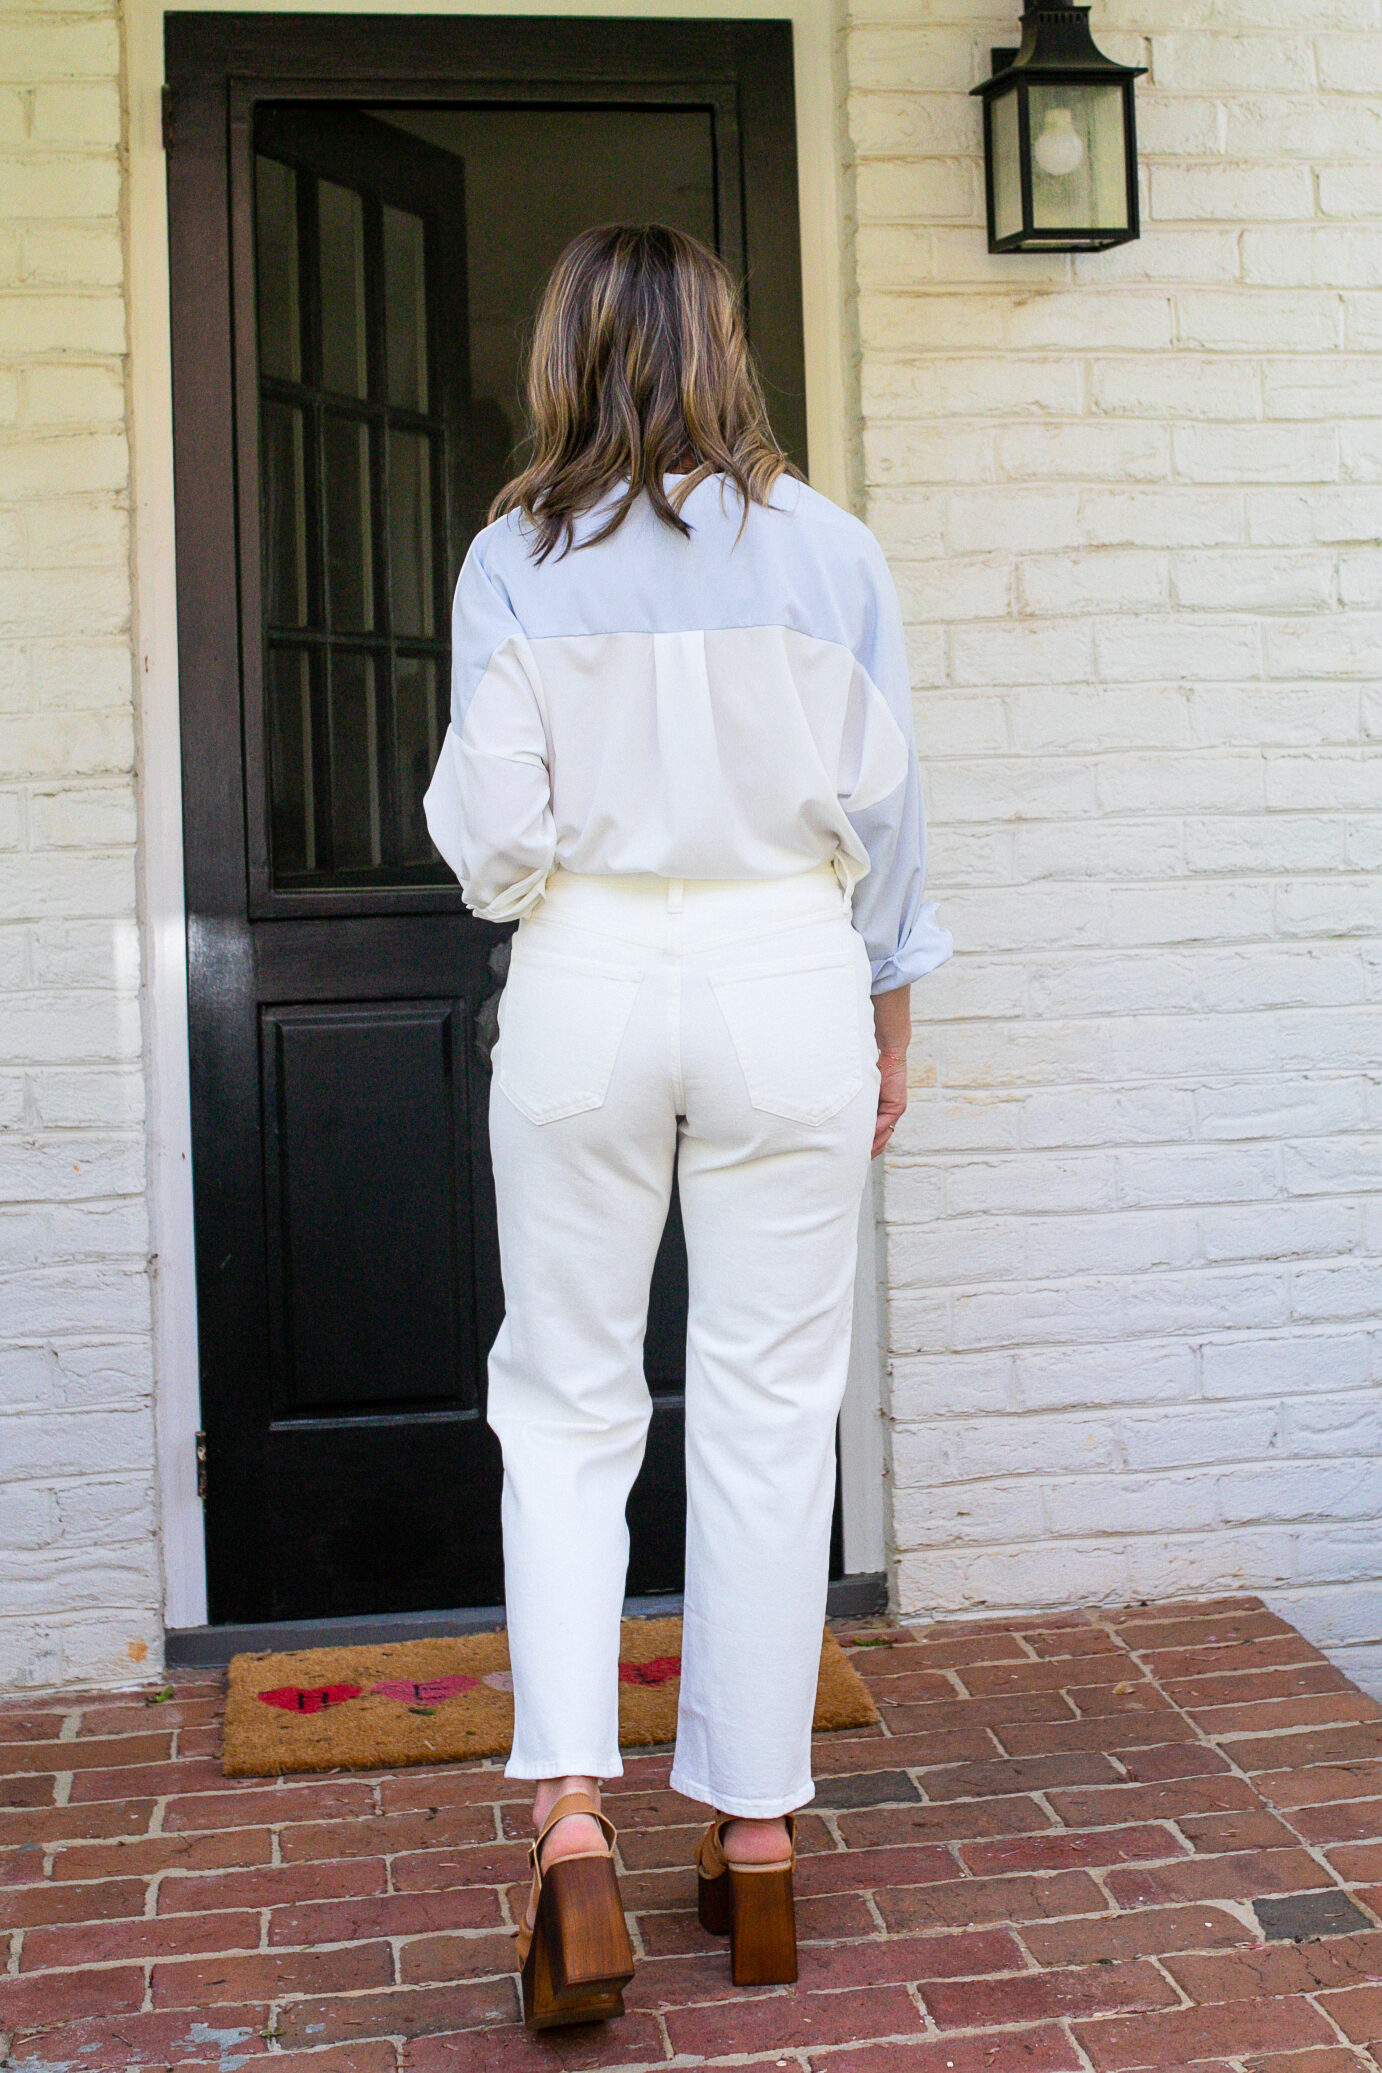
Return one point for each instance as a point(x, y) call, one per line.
point(489, 805)
point(899, 925)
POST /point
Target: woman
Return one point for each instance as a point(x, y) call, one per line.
point(681, 757)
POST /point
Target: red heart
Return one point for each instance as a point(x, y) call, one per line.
point(655, 1671)
point(294, 1698)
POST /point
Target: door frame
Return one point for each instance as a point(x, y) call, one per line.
point(832, 416)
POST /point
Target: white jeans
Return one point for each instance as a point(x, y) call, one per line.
point(725, 1025)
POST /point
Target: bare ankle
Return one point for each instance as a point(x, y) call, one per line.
point(548, 1791)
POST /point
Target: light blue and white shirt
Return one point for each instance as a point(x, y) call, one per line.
point(732, 705)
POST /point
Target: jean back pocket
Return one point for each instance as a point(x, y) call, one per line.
point(796, 1032)
point(561, 1022)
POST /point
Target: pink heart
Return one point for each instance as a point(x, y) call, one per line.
point(430, 1691)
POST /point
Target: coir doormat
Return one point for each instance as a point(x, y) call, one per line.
point(409, 1702)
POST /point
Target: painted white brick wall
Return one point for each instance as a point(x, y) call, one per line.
point(1134, 1214)
point(79, 1582)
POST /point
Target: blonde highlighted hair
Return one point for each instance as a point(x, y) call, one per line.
point(639, 368)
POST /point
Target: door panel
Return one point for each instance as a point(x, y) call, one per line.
point(354, 258)
point(366, 1311)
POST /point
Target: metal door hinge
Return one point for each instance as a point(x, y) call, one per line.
point(201, 1465)
point(167, 118)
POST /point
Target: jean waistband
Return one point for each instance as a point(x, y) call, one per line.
point(688, 912)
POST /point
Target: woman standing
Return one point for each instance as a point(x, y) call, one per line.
point(681, 756)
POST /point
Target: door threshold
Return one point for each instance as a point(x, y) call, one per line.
point(209, 1648)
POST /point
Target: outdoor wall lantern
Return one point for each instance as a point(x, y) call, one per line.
point(1060, 154)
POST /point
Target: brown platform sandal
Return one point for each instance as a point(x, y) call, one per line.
point(576, 1959)
point(752, 1905)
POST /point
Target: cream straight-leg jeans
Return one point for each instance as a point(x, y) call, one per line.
point(725, 1025)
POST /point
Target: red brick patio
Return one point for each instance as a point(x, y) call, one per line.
point(1045, 1858)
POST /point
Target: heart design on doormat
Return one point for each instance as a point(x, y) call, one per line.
point(297, 1698)
point(658, 1671)
point(430, 1692)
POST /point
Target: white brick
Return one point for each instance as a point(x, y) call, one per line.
point(1051, 719)
point(1152, 650)
point(989, 521)
point(1002, 387)
point(1349, 64)
point(897, 453)
point(1347, 1427)
point(1109, 1116)
point(1073, 1378)
point(1253, 581)
point(1183, 387)
point(88, 394)
point(959, 1386)
point(1230, 320)
point(1274, 126)
point(59, 50)
point(1269, 1367)
point(966, 1514)
point(88, 254)
point(1101, 849)
point(1256, 453)
point(1099, 451)
point(1081, 1181)
point(1020, 654)
point(39, 466)
point(921, 191)
point(1233, 64)
point(909, 124)
point(1198, 257)
point(1350, 645)
point(1335, 513)
point(1219, 193)
point(39, 323)
point(82, 817)
point(1346, 1290)
point(923, 60)
point(51, 185)
point(1133, 1504)
point(1156, 518)
point(1325, 256)
point(1209, 1433)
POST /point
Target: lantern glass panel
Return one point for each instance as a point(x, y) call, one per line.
point(1007, 170)
point(1079, 160)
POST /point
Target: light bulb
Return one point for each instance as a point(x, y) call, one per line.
point(1058, 150)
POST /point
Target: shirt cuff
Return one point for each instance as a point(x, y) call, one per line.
point(926, 946)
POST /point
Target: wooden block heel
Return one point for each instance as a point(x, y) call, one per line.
point(752, 1904)
point(576, 1960)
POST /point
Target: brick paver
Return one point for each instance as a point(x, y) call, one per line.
point(1043, 1860)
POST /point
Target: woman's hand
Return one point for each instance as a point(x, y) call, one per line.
point(892, 1026)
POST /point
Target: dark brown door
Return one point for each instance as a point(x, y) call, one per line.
point(362, 210)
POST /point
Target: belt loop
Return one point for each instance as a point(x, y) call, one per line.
point(675, 889)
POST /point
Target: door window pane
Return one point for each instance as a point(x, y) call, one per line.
point(341, 236)
point(285, 516)
point(418, 738)
point(276, 246)
point(349, 534)
point(410, 532)
point(405, 309)
point(289, 692)
point(354, 763)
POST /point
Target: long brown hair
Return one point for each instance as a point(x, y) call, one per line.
point(639, 368)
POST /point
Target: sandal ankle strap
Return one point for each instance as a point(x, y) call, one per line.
point(711, 1860)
